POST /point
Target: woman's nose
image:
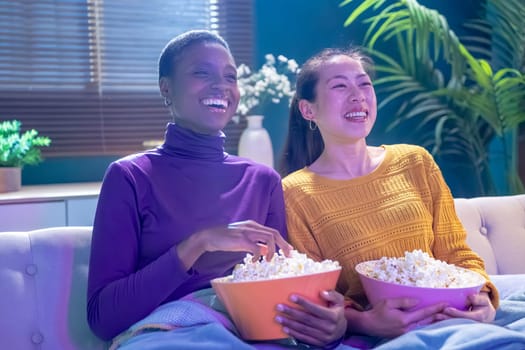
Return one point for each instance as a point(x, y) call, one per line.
point(218, 80)
point(356, 96)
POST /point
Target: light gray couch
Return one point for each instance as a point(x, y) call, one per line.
point(43, 273)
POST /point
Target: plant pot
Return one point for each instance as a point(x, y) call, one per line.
point(10, 179)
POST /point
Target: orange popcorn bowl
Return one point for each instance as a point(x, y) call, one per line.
point(252, 304)
point(377, 290)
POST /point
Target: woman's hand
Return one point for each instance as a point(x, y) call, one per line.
point(314, 324)
point(244, 236)
point(250, 236)
point(390, 318)
point(480, 309)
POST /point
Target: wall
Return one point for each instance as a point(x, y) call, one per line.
point(65, 170)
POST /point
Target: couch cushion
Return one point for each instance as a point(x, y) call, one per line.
point(43, 280)
point(496, 231)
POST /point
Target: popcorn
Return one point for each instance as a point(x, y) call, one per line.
point(420, 270)
point(280, 266)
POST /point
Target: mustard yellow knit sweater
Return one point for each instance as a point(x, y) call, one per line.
point(404, 204)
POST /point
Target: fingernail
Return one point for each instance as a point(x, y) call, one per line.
point(294, 298)
point(280, 307)
point(279, 319)
point(286, 330)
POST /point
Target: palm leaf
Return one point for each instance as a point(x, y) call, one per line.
point(365, 5)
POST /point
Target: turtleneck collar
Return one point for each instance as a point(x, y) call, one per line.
point(188, 144)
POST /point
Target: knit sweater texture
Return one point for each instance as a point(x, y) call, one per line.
point(403, 205)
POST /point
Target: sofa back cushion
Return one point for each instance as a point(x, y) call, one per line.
point(43, 281)
point(496, 231)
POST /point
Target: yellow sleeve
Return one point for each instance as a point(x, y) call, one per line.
point(450, 242)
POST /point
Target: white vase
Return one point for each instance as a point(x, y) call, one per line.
point(255, 142)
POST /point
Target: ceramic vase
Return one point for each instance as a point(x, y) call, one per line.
point(255, 142)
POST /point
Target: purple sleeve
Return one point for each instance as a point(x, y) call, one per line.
point(119, 294)
point(276, 214)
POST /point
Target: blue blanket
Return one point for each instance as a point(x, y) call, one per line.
point(507, 332)
point(199, 321)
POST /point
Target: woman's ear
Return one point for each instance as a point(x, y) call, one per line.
point(164, 87)
point(306, 109)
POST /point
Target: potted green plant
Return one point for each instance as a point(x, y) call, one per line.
point(467, 94)
point(16, 150)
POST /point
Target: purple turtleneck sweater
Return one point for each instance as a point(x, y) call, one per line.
point(151, 201)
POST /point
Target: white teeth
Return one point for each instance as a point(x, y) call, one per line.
point(215, 102)
point(355, 115)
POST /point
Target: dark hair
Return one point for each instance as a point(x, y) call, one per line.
point(303, 145)
point(176, 46)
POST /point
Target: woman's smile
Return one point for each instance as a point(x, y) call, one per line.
point(217, 105)
point(360, 116)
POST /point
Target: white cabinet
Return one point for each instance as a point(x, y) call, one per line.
point(81, 211)
point(42, 206)
point(30, 216)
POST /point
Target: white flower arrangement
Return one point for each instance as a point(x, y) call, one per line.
point(271, 83)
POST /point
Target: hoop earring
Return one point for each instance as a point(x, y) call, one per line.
point(167, 102)
point(311, 125)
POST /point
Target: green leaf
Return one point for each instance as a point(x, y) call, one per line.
point(18, 149)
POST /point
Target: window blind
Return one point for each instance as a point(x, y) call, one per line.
point(84, 72)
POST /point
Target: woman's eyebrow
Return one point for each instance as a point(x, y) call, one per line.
point(338, 76)
point(342, 76)
point(209, 65)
